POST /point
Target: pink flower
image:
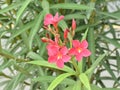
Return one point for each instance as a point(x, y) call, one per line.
point(58, 55)
point(50, 19)
point(79, 49)
point(73, 24)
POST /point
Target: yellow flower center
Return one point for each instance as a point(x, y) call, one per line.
point(79, 49)
point(59, 56)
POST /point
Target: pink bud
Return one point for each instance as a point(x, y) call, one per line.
point(44, 39)
point(73, 24)
point(66, 33)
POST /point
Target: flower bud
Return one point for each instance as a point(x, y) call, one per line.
point(44, 39)
point(73, 24)
point(66, 33)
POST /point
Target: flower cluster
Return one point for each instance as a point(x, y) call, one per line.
point(58, 52)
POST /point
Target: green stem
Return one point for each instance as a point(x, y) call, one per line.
point(75, 66)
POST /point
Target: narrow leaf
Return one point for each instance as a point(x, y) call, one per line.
point(115, 15)
point(35, 28)
point(70, 6)
point(94, 87)
point(49, 79)
point(75, 16)
point(95, 64)
point(58, 80)
point(21, 10)
point(46, 64)
point(77, 85)
point(33, 55)
point(112, 41)
point(45, 6)
point(21, 30)
point(84, 79)
point(10, 7)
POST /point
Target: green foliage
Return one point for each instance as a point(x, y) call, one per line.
point(23, 56)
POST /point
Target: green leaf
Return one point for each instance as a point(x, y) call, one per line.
point(107, 67)
point(49, 79)
point(84, 79)
point(63, 25)
point(35, 28)
point(45, 6)
point(10, 7)
point(91, 41)
point(75, 16)
point(71, 6)
point(115, 15)
point(7, 54)
point(14, 82)
point(21, 30)
point(118, 61)
point(77, 85)
point(5, 65)
point(95, 64)
point(58, 80)
point(94, 87)
point(46, 64)
point(34, 55)
point(85, 35)
point(21, 10)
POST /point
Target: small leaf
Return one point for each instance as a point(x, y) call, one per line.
point(58, 80)
point(84, 79)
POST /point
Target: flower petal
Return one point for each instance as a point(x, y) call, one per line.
point(66, 58)
point(48, 19)
point(72, 51)
point(79, 57)
point(86, 53)
point(75, 43)
point(52, 59)
point(56, 17)
point(52, 49)
point(60, 63)
point(84, 44)
point(64, 50)
point(60, 18)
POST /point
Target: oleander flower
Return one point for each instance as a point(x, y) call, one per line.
point(79, 49)
point(58, 55)
point(50, 19)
